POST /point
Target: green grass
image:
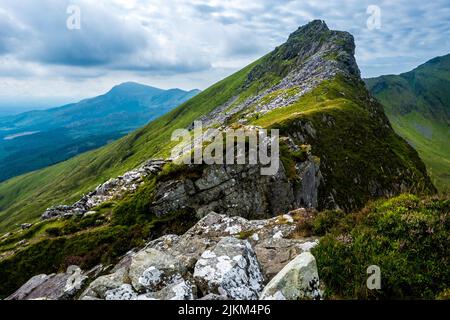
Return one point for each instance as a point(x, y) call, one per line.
point(433, 146)
point(407, 237)
point(353, 146)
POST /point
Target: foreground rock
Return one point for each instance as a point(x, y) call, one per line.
point(178, 289)
point(106, 286)
point(151, 270)
point(230, 269)
point(219, 258)
point(298, 280)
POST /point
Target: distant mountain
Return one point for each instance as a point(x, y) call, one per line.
point(418, 106)
point(36, 139)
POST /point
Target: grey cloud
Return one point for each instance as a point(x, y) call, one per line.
point(105, 39)
point(182, 39)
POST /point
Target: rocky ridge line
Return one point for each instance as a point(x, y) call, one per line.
point(107, 191)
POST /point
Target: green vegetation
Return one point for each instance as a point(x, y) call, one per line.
point(418, 106)
point(406, 237)
point(431, 140)
point(103, 237)
point(350, 144)
point(289, 158)
point(246, 234)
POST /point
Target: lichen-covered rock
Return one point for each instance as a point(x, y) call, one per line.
point(230, 269)
point(124, 292)
point(212, 296)
point(75, 281)
point(298, 280)
point(100, 286)
point(275, 253)
point(151, 270)
point(179, 289)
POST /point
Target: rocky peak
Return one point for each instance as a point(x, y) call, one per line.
point(311, 55)
point(335, 48)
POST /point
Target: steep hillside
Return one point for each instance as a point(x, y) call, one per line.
point(36, 139)
point(418, 106)
point(309, 88)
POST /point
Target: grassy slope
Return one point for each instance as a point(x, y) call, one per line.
point(434, 150)
point(418, 106)
point(354, 146)
point(24, 198)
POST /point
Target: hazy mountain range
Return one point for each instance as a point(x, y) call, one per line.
point(36, 139)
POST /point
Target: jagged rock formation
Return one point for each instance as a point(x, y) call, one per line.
point(239, 190)
point(314, 54)
point(107, 191)
point(219, 258)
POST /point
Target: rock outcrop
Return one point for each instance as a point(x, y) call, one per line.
point(240, 190)
point(109, 190)
point(219, 258)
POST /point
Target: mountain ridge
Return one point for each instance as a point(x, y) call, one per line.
point(324, 113)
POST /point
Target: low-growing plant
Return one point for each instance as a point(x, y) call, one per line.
point(406, 237)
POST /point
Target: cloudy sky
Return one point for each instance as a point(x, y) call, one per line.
point(190, 43)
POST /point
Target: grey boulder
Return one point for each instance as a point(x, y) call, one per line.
point(298, 280)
